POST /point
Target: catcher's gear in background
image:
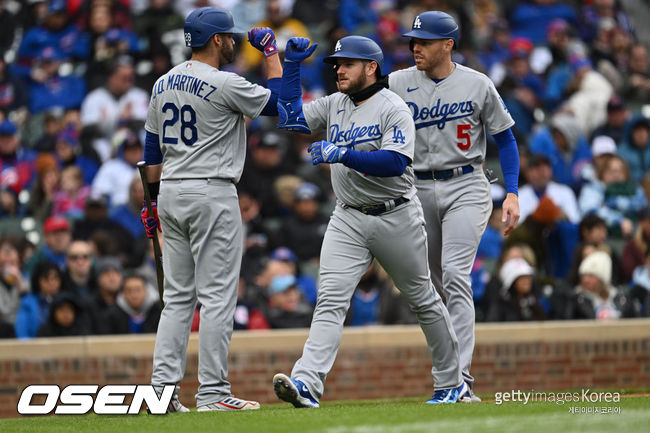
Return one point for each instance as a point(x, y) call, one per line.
point(203, 23)
point(263, 39)
point(150, 222)
point(434, 25)
point(357, 47)
point(324, 151)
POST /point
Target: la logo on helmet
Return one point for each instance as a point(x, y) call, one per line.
point(417, 23)
point(338, 46)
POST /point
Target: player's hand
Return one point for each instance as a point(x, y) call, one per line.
point(263, 39)
point(324, 151)
point(510, 213)
point(150, 222)
point(298, 49)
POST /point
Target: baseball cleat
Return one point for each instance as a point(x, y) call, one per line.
point(176, 406)
point(293, 391)
point(449, 395)
point(469, 397)
point(229, 403)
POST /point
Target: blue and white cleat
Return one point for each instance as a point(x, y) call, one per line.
point(293, 391)
point(449, 395)
point(469, 396)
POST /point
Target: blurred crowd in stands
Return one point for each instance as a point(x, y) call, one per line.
point(75, 77)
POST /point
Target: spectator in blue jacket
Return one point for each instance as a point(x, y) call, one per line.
point(35, 307)
point(54, 32)
point(635, 150)
point(48, 89)
point(565, 146)
point(613, 197)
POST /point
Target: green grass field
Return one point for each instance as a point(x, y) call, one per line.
point(367, 416)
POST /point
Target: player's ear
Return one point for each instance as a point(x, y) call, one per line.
point(369, 67)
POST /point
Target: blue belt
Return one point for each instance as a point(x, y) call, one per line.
point(378, 209)
point(444, 174)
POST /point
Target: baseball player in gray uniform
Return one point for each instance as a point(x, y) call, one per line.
point(370, 142)
point(453, 108)
point(195, 149)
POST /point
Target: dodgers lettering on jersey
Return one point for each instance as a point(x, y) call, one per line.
point(383, 122)
point(198, 114)
point(354, 134)
point(451, 116)
point(439, 113)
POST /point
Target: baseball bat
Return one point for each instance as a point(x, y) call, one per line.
point(142, 168)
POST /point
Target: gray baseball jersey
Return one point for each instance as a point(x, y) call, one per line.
point(381, 123)
point(451, 116)
point(200, 122)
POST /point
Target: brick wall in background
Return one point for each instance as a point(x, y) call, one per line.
point(373, 362)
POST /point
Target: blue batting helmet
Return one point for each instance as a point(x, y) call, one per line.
point(203, 23)
point(434, 25)
point(357, 47)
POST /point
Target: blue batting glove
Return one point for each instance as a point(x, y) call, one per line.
point(298, 49)
point(326, 152)
point(263, 39)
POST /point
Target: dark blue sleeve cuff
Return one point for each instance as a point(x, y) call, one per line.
point(152, 153)
point(380, 163)
point(509, 158)
point(271, 107)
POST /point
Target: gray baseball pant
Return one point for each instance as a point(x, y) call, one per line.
point(397, 239)
point(202, 249)
point(456, 212)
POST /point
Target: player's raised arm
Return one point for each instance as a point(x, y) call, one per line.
point(263, 39)
point(290, 100)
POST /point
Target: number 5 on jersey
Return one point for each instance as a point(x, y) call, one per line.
point(462, 132)
point(187, 116)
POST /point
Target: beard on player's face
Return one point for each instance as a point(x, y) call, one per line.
point(227, 49)
point(351, 76)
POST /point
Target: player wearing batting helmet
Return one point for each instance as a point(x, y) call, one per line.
point(370, 141)
point(453, 108)
point(195, 149)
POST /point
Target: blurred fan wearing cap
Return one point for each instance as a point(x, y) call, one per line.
point(635, 149)
point(540, 185)
point(286, 307)
point(303, 231)
point(57, 235)
point(115, 175)
point(602, 146)
point(68, 152)
point(48, 89)
point(17, 168)
point(595, 297)
point(264, 164)
point(53, 31)
point(517, 300)
point(617, 117)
